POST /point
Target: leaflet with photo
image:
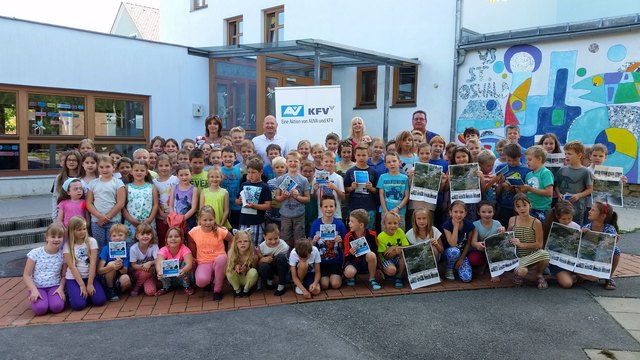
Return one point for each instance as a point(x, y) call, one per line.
point(426, 182)
point(170, 268)
point(288, 184)
point(554, 162)
point(361, 180)
point(322, 177)
point(420, 262)
point(250, 194)
point(515, 179)
point(607, 186)
point(327, 232)
point(503, 170)
point(465, 184)
point(563, 243)
point(501, 253)
point(361, 245)
point(117, 249)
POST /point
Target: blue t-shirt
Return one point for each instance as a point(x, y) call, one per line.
point(104, 255)
point(231, 181)
point(407, 162)
point(378, 167)
point(267, 171)
point(394, 187)
point(484, 232)
point(361, 198)
point(505, 198)
point(329, 254)
point(463, 233)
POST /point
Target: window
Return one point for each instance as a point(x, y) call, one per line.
point(121, 118)
point(8, 125)
point(9, 156)
point(56, 115)
point(198, 4)
point(234, 31)
point(405, 85)
point(274, 25)
point(367, 87)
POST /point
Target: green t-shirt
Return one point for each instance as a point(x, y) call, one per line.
point(540, 179)
point(200, 181)
point(386, 241)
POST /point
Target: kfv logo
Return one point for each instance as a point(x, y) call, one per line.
point(292, 110)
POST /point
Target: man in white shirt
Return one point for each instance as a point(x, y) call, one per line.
point(269, 136)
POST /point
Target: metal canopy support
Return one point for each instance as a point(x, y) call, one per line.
point(316, 68)
point(385, 119)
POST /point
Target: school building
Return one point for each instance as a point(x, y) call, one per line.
point(568, 67)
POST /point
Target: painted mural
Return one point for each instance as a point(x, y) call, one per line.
point(579, 90)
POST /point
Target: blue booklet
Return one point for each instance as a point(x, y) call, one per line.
point(361, 246)
point(361, 177)
point(170, 268)
point(117, 249)
point(327, 231)
point(515, 179)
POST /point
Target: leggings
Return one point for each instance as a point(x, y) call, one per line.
point(213, 271)
point(244, 282)
point(279, 266)
point(464, 271)
point(144, 279)
point(49, 302)
point(77, 301)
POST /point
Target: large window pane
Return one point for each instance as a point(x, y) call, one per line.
point(236, 94)
point(406, 85)
point(46, 156)
point(56, 115)
point(122, 118)
point(7, 113)
point(9, 157)
point(126, 149)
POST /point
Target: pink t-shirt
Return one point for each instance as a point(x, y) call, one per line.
point(182, 251)
point(72, 208)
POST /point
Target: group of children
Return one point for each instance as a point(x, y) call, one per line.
point(223, 214)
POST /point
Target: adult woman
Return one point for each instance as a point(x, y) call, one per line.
point(357, 134)
point(213, 130)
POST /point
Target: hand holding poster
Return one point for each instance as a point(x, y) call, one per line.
point(117, 249)
point(501, 254)
point(607, 186)
point(465, 184)
point(554, 162)
point(421, 266)
point(563, 243)
point(425, 183)
point(287, 184)
point(170, 268)
point(361, 246)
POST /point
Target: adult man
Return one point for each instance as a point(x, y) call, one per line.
point(269, 136)
point(419, 122)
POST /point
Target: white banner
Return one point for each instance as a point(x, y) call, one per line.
point(308, 113)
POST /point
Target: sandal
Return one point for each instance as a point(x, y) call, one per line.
point(609, 284)
point(398, 283)
point(374, 284)
point(542, 283)
point(518, 280)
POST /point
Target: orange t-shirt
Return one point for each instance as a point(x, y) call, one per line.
point(209, 244)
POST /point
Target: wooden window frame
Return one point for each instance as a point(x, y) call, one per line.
point(275, 10)
point(198, 5)
point(234, 21)
point(396, 85)
point(359, 103)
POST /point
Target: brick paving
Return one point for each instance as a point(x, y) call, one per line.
point(15, 309)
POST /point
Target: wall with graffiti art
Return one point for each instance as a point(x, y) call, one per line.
point(586, 89)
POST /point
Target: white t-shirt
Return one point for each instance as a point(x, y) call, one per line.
point(282, 247)
point(164, 193)
point(314, 258)
point(46, 272)
point(411, 237)
point(104, 196)
point(82, 258)
point(138, 257)
point(339, 182)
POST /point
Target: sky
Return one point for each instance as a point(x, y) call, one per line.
point(94, 15)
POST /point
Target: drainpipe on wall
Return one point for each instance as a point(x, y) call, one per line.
point(458, 59)
point(385, 117)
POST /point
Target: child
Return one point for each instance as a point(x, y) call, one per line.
point(273, 151)
point(304, 148)
point(227, 141)
point(505, 191)
point(238, 135)
point(539, 182)
point(485, 227)
point(471, 133)
point(175, 249)
point(368, 263)
point(115, 155)
point(273, 259)
point(85, 146)
point(393, 189)
point(292, 202)
point(376, 156)
point(574, 182)
point(586, 157)
point(561, 213)
point(241, 267)
point(198, 176)
point(406, 156)
point(105, 200)
point(362, 196)
point(188, 144)
point(232, 178)
point(215, 157)
point(502, 158)
point(390, 243)
point(142, 258)
point(390, 146)
point(71, 203)
point(89, 169)
point(486, 159)
point(183, 156)
point(124, 169)
point(332, 143)
point(335, 184)
point(417, 136)
point(153, 161)
point(527, 232)
point(448, 149)
point(308, 170)
point(142, 199)
point(206, 150)
point(258, 200)
point(207, 243)
point(423, 230)
point(458, 232)
point(247, 149)
point(461, 156)
point(513, 133)
point(184, 198)
point(279, 165)
point(164, 184)
point(70, 168)
point(143, 154)
point(550, 143)
point(81, 256)
point(424, 154)
point(216, 197)
point(113, 271)
point(475, 148)
point(317, 153)
point(331, 250)
point(346, 156)
point(438, 145)
point(157, 145)
point(43, 273)
point(604, 219)
point(304, 262)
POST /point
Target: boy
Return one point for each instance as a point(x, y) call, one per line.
point(273, 151)
point(505, 191)
point(500, 152)
point(215, 157)
point(362, 264)
point(362, 196)
point(279, 169)
point(292, 202)
point(258, 200)
point(116, 155)
point(198, 176)
point(334, 186)
point(247, 149)
point(474, 147)
point(539, 182)
point(512, 133)
point(391, 146)
point(417, 137)
point(188, 144)
point(114, 270)
point(231, 180)
point(331, 248)
point(574, 182)
point(183, 156)
point(470, 134)
point(304, 262)
point(237, 137)
point(393, 189)
point(331, 142)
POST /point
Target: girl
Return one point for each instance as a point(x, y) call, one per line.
point(105, 199)
point(153, 160)
point(346, 153)
point(423, 230)
point(216, 197)
point(157, 145)
point(550, 143)
point(175, 249)
point(458, 232)
point(81, 257)
point(485, 227)
point(417, 140)
point(89, 169)
point(206, 149)
point(207, 243)
point(142, 199)
point(461, 156)
point(316, 153)
point(604, 219)
point(142, 258)
point(70, 203)
point(404, 143)
point(85, 146)
point(561, 213)
point(70, 168)
point(527, 231)
point(226, 141)
point(331, 250)
point(424, 154)
point(273, 259)
point(241, 267)
point(124, 169)
point(164, 183)
point(43, 273)
point(376, 153)
point(184, 198)
point(171, 146)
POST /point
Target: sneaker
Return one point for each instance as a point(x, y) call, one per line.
point(189, 291)
point(111, 295)
point(237, 293)
point(374, 284)
point(351, 282)
point(397, 283)
point(217, 296)
point(298, 291)
point(449, 274)
point(134, 293)
point(280, 292)
point(162, 292)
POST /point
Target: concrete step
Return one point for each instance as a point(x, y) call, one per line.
point(25, 223)
point(22, 236)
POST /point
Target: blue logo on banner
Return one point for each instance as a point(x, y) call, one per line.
point(292, 110)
